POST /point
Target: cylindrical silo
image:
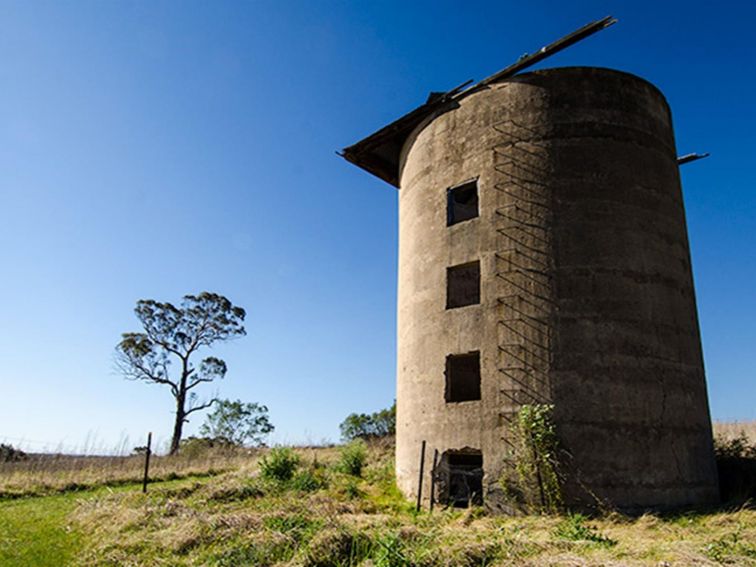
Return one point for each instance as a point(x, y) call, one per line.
point(544, 258)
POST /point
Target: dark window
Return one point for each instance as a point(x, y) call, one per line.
point(458, 478)
point(463, 285)
point(462, 203)
point(463, 377)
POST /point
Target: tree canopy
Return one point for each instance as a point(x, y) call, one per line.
point(369, 426)
point(237, 423)
point(175, 334)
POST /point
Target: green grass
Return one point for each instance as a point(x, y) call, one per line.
point(38, 532)
point(575, 528)
point(41, 531)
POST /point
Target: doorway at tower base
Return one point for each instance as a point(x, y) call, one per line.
point(458, 478)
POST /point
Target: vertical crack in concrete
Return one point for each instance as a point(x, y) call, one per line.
point(662, 425)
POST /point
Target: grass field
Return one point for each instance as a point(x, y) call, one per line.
point(324, 516)
point(42, 531)
point(217, 509)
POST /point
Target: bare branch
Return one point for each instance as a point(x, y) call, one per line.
point(200, 407)
point(196, 382)
point(210, 369)
point(137, 359)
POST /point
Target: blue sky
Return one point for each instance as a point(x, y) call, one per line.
point(154, 149)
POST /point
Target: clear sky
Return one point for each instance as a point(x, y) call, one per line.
point(154, 149)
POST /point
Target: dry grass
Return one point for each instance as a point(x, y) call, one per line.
point(239, 519)
point(326, 517)
point(728, 430)
point(47, 474)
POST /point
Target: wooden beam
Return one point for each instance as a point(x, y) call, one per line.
point(687, 158)
point(528, 60)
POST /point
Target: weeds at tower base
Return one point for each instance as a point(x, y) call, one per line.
point(532, 482)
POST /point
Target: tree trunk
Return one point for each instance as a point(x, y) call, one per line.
point(180, 403)
point(178, 425)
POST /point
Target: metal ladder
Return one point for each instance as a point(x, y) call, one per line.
point(523, 270)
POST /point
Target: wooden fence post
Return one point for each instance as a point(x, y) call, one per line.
point(147, 462)
point(420, 478)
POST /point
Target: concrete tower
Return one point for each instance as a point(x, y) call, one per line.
point(544, 260)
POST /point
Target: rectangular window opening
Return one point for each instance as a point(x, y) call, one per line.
point(462, 202)
point(463, 285)
point(463, 377)
point(459, 478)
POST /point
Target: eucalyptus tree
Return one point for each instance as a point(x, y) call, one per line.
point(237, 423)
point(175, 334)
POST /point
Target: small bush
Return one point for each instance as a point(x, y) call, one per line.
point(739, 447)
point(728, 548)
point(736, 465)
point(352, 491)
point(309, 480)
point(9, 454)
point(353, 457)
point(574, 528)
point(280, 464)
point(534, 484)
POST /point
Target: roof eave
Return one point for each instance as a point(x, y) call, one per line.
point(380, 152)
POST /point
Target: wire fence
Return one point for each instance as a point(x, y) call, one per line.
point(42, 467)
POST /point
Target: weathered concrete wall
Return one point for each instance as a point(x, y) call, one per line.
point(587, 296)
